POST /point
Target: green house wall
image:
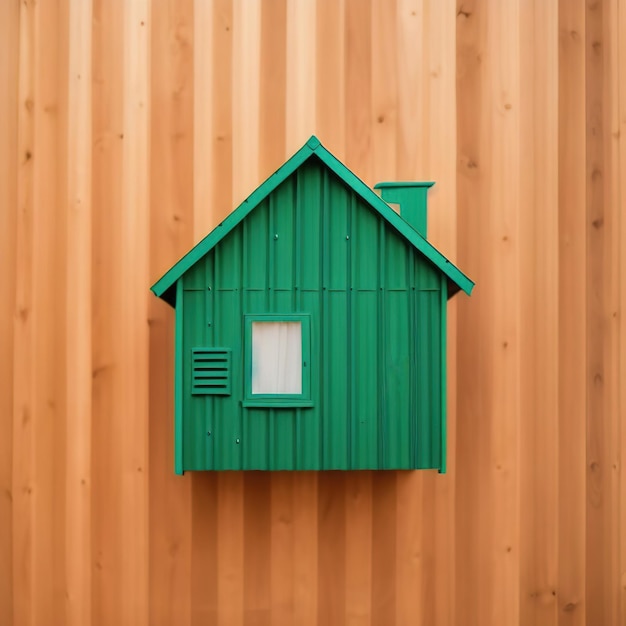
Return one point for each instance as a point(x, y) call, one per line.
point(377, 314)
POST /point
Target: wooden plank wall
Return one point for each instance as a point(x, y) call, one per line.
point(128, 128)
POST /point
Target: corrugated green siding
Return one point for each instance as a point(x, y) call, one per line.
point(375, 310)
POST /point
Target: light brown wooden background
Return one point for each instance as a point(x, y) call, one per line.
point(129, 128)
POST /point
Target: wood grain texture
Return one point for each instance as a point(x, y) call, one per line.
point(572, 356)
point(618, 131)
point(9, 167)
point(129, 129)
point(107, 417)
point(474, 505)
point(79, 317)
point(538, 233)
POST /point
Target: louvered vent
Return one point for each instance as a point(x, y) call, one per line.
point(210, 371)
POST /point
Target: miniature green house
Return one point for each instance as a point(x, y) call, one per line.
point(311, 328)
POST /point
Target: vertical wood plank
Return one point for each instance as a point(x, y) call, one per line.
point(411, 575)
point(213, 58)
point(384, 550)
point(376, 52)
point(282, 553)
point(306, 548)
point(572, 315)
point(204, 538)
point(538, 228)
point(9, 63)
point(619, 134)
point(330, 75)
point(502, 95)
point(131, 339)
point(272, 87)
point(230, 554)
point(301, 68)
point(246, 98)
point(600, 329)
point(359, 87)
point(331, 528)
point(49, 156)
point(259, 606)
point(203, 114)
point(79, 318)
point(612, 254)
point(411, 146)
point(602, 207)
point(358, 493)
point(107, 423)
point(171, 235)
point(24, 322)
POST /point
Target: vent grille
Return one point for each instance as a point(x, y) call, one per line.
point(210, 371)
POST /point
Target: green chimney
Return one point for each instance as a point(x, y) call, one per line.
point(412, 198)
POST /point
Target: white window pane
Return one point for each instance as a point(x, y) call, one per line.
point(276, 357)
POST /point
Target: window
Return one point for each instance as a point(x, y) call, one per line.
point(277, 352)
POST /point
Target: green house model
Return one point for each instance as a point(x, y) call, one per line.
point(311, 328)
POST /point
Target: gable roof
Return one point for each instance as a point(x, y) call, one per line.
point(165, 286)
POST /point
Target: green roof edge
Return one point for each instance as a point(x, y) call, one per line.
point(164, 287)
point(408, 183)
